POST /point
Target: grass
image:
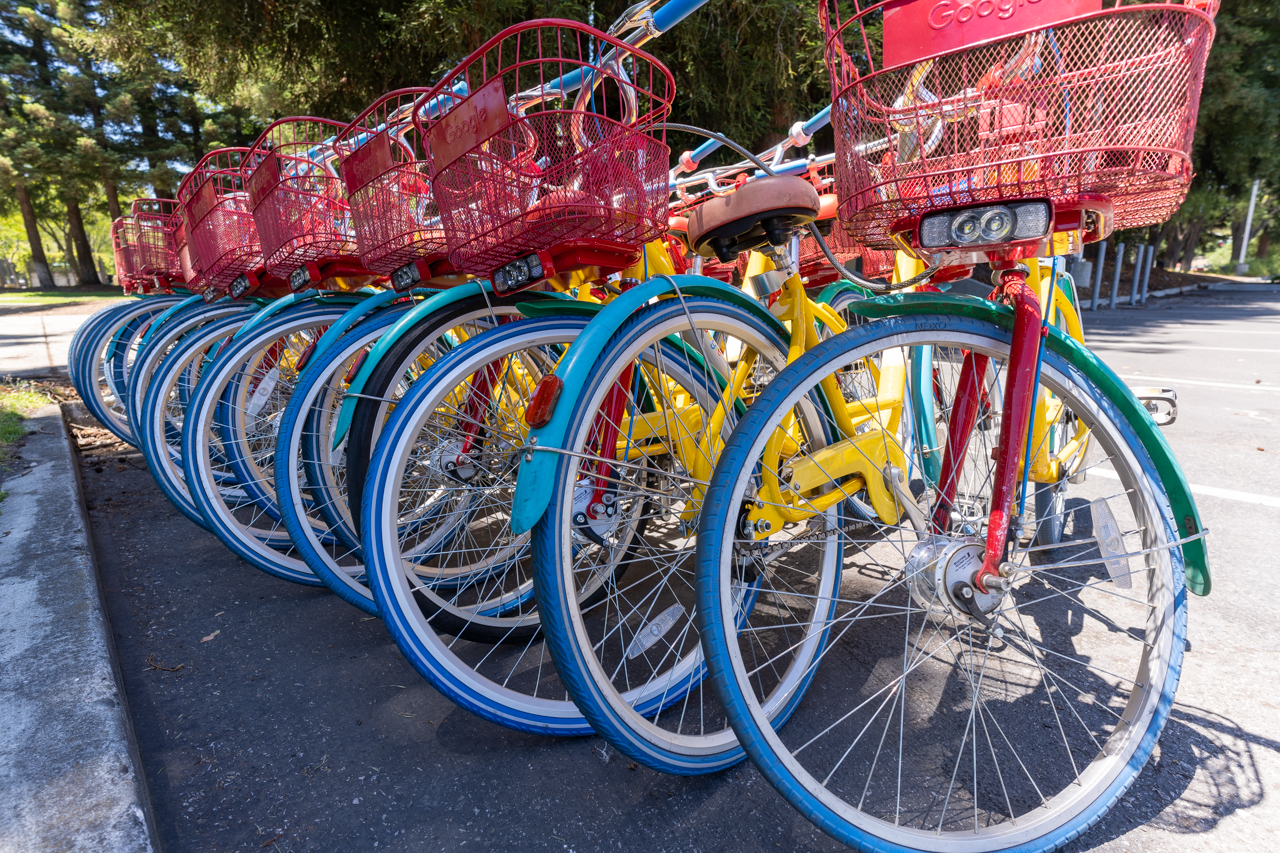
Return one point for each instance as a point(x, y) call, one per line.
point(45, 297)
point(16, 403)
point(1219, 260)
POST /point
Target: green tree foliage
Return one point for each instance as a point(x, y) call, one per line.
point(77, 130)
point(747, 69)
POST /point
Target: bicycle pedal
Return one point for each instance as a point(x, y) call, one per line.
point(1162, 403)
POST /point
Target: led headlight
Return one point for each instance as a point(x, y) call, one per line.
point(966, 228)
point(299, 278)
point(240, 286)
point(997, 224)
point(985, 226)
point(517, 274)
point(405, 277)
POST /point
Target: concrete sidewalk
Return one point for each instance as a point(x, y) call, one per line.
point(34, 339)
point(69, 778)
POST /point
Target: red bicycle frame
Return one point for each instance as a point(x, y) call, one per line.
point(1019, 402)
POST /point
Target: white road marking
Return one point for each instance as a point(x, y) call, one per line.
point(1210, 491)
point(1174, 383)
point(1104, 345)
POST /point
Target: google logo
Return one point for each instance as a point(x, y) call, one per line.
point(944, 12)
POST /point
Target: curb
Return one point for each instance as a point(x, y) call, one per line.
point(69, 766)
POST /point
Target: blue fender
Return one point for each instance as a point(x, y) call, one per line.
point(425, 308)
point(167, 315)
point(269, 310)
point(533, 482)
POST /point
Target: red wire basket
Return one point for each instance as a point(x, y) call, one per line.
point(186, 259)
point(157, 255)
point(221, 231)
point(300, 202)
point(124, 247)
point(943, 104)
point(386, 169)
point(532, 161)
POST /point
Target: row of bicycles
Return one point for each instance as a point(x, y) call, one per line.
point(712, 461)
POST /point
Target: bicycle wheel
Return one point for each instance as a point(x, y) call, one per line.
point(405, 363)
point(77, 362)
point(164, 409)
point(106, 354)
point(159, 341)
point(233, 422)
point(453, 583)
point(623, 513)
point(310, 475)
point(927, 727)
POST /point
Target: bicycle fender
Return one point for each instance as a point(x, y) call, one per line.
point(831, 291)
point(113, 349)
point(270, 310)
point(1195, 553)
point(533, 482)
point(425, 308)
point(366, 305)
point(163, 318)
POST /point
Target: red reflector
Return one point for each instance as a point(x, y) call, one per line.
point(544, 400)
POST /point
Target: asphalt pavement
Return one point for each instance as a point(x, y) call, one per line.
point(271, 716)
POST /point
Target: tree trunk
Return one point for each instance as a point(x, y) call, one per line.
point(1191, 244)
point(88, 273)
point(113, 199)
point(1174, 235)
point(1237, 234)
point(39, 263)
point(1264, 244)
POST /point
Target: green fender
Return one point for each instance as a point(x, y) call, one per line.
point(425, 308)
point(1195, 554)
point(831, 291)
point(533, 482)
point(172, 309)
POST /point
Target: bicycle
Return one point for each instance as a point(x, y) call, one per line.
point(958, 709)
point(441, 561)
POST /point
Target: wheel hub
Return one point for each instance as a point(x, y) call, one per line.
point(941, 568)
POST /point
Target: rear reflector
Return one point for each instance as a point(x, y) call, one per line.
point(544, 400)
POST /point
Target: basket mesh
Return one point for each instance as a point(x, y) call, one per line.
point(157, 255)
point(530, 160)
point(386, 172)
point(222, 235)
point(124, 246)
point(298, 198)
point(1103, 103)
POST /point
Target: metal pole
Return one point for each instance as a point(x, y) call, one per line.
point(1097, 277)
point(1115, 277)
point(1137, 275)
point(1146, 273)
point(1241, 266)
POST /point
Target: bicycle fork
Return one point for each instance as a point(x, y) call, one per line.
point(1019, 403)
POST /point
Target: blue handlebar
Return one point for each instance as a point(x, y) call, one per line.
point(675, 12)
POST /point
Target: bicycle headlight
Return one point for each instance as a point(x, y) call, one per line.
point(966, 228)
point(997, 224)
point(517, 274)
point(985, 226)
